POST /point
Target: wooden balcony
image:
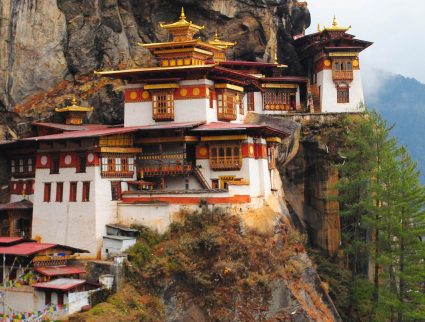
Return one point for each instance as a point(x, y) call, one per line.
point(166, 169)
point(117, 174)
point(226, 163)
point(342, 75)
point(162, 117)
point(227, 116)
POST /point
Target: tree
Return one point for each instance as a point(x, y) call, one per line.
point(383, 220)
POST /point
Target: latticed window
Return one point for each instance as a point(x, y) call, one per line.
point(225, 156)
point(342, 69)
point(163, 105)
point(277, 99)
point(250, 102)
point(343, 94)
point(117, 165)
point(226, 105)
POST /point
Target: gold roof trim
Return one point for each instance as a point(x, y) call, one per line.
point(182, 23)
point(220, 43)
point(74, 107)
point(137, 70)
point(336, 27)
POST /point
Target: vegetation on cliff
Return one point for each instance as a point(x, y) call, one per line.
point(382, 225)
point(210, 267)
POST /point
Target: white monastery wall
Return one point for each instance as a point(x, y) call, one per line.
point(328, 93)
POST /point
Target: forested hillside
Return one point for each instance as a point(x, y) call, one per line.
point(401, 101)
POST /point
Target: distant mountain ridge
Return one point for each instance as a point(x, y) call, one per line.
point(401, 101)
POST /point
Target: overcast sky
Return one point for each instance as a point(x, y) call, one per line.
point(395, 27)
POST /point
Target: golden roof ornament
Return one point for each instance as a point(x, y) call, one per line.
point(336, 27)
point(74, 107)
point(182, 30)
point(220, 43)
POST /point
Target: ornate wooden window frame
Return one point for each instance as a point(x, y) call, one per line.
point(227, 105)
point(163, 105)
point(225, 156)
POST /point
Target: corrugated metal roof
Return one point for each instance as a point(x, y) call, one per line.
point(31, 248)
point(59, 270)
point(20, 205)
point(111, 131)
point(225, 126)
point(68, 127)
point(10, 240)
point(62, 284)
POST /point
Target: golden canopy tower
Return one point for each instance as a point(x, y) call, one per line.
point(184, 50)
point(74, 113)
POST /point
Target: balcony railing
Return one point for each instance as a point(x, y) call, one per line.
point(163, 116)
point(342, 75)
point(165, 169)
point(226, 163)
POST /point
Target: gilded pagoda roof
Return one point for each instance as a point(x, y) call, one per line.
point(182, 23)
point(74, 107)
point(335, 27)
point(220, 43)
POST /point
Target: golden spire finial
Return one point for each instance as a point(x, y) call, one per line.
point(182, 15)
point(336, 27)
point(318, 28)
point(276, 61)
point(334, 23)
point(74, 101)
point(216, 37)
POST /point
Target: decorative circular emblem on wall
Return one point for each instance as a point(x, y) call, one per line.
point(355, 63)
point(203, 152)
point(196, 91)
point(327, 63)
point(133, 95)
point(207, 91)
point(68, 159)
point(251, 150)
point(145, 95)
point(183, 92)
point(43, 160)
point(90, 157)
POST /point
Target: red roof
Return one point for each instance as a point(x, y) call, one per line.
point(84, 134)
point(62, 284)
point(10, 240)
point(59, 270)
point(68, 127)
point(20, 205)
point(225, 126)
point(110, 131)
point(25, 249)
point(31, 248)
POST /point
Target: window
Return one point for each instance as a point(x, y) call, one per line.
point(250, 101)
point(117, 165)
point(47, 191)
point(343, 94)
point(226, 105)
point(240, 103)
point(116, 190)
point(60, 298)
point(72, 191)
point(48, 298)
point(342, 69)
point(163, 105)
point(225, 157)
point(81, 163)
point(279, 99)
point(12, 166)
point(22, 167)
point(86, 192)
point(59, 191)
point(54, 164)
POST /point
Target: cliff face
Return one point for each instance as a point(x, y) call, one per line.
point(49, 44)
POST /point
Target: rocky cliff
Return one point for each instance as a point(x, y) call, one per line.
point(50, 48)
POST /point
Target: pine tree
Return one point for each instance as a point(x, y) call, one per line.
point(383, 220)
